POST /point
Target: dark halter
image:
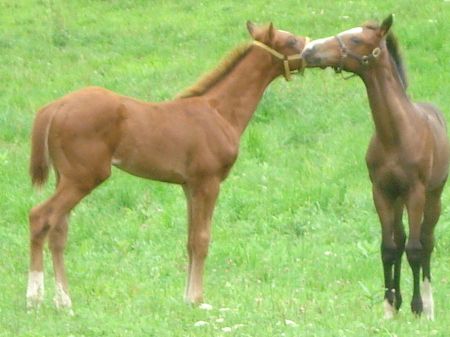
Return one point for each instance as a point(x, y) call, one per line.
point(363, 60)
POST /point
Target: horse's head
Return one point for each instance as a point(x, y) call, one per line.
point(282, 45)
point(350, 50)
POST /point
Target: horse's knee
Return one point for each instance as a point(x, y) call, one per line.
point(427, 241)
point(388, 253)
point(400, 241)
point(414, 253)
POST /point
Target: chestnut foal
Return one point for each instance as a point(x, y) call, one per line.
point(408, 156)
point(192, 141)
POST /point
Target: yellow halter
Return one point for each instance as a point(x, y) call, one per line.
point(287, 71)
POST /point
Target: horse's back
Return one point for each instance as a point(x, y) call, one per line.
point(437, 123)
point(434, 113)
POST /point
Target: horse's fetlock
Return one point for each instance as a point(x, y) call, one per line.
point(389, 296)
point(398, 300)
point(417, 305)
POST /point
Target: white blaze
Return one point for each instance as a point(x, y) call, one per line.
point(356, 30)
point(313, 43)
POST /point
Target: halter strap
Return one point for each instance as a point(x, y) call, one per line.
point(347, 52)
point(287, 70)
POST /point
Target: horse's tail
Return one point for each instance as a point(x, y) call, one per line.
point(40, 159)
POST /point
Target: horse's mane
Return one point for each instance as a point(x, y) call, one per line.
point(393, 48)
point(205, 82)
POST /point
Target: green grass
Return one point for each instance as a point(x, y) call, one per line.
point(295, 235)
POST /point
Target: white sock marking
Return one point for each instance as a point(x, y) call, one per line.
point(35, 290)
point(427, 300)
point(62, 299)
point(389, 310)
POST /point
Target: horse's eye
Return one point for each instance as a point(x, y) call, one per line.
point(356, 39)
point(292, 41)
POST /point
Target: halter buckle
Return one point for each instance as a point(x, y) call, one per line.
point(376, 52)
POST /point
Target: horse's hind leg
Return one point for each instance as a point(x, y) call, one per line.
point(39, 228)
point(57, 245)
point(49, 219)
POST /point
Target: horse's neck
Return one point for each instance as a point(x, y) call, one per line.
point(390, 105)
point(237, 95)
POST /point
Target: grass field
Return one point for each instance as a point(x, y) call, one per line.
point(295, 249)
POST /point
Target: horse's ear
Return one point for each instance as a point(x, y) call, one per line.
point(250, 27)
point(265, 35)
point(271, 31)
point(386, 25)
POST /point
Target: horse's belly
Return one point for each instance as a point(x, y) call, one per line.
point(154, 169)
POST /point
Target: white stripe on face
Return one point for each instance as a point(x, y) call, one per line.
point(314, 43)
point(356, 30)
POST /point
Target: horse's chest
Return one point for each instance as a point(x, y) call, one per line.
point(397, 174)
point(391, 178)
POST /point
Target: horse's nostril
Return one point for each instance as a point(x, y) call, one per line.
point(307, 52)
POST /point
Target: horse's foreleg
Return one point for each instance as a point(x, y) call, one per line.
point(50, 219)
point(400, 241)
point(201, 199)
point(415, 204)
point(389, 250)
point(431, 216)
